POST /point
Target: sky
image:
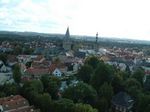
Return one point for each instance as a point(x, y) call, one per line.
point(110, 18)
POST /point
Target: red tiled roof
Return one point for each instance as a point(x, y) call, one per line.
point(24, 109)
point(43, 64)
point(5, 99)
point(13, 102)
point(37, 71)
point(52, 68)
point(16, 104)
point(38, 58)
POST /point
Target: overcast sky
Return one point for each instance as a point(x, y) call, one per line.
point(111, 18)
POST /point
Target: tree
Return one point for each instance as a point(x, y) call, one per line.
point(45, 102)
point(28, 64)
point(3, 57)
point(17, 49)
point(81, 92)
point(17, 74)
point(102, 105)
point(143, 102)
point(63, 105)
point(85, 73)
point(103, 73)
point(45, 80)
point(31, 87)
point(57, 60)
point(33, 91)
point(106, 91)
point(92, 61)
point(128, 70)
point(2, 94)
point(79, 107)
point(147, 83)
point(37, 86)
point(51, 85)
point(10, 89)
point(139, 75)
point(147, 108)
point(27, 50)
point(117, 84)
point(133, 87)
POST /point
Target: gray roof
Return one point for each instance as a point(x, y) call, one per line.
point(122, 99)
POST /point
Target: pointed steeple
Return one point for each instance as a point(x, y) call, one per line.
point(67, 35)
point(96, 37)
point(96, 42)
point(67, 43)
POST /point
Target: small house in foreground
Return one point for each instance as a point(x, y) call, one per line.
point(122, 102)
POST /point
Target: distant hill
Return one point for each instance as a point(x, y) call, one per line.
point(31, 34)
point(77, 37)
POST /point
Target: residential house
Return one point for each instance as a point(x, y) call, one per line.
point(5, 74)
point(122, 102)
point(35, 73)
point(39, 67)
point(12, 60)
point(57, 70)
point(25, 58)
point(40, 62)
point(16, 104)
point(39, 59)
point(80, 54)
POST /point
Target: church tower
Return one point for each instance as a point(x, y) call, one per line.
point(67, 35)
point(96, 37)
point(96, 43)
point(67, 41)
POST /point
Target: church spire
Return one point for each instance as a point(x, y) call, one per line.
point(67, 44)
point(67, 35)
point(96, 42)
point(96, 37)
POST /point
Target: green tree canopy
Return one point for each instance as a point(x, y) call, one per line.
point(10, 89)
point(133, 87)
point(128, 70)
point(143, 103)
point(85, 73)
point(44, 102)
point(17, 73)
point(106, 91)
point(92, 61)
point(2, 94)
point(3, 57)
point(139, 75)
point(34, 86)
point(81, 92)
point(103, 73)
point(63, 105)
point(147, 108)
point(79, 107)
point(102, 105)
point(51, 85)
point(117, 84)
point(147, 83)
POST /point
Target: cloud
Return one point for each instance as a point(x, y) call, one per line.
point(114, 18)
point(36, 15)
